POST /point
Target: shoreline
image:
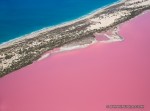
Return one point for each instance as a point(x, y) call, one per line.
point(49, 28)
point(24, 51)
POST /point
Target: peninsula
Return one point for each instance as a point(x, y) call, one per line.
point(24, 51)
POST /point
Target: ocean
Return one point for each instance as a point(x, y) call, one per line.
point(20, 17)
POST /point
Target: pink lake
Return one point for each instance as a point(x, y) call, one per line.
point(87, 79)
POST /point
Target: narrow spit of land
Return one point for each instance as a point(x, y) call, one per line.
point(24, 51)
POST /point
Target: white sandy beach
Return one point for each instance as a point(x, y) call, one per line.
point(35, 33)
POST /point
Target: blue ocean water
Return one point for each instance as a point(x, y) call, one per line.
point(19, 17)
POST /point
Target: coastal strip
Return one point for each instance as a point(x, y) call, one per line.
point(24, 51)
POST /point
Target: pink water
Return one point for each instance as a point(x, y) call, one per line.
point(86, 79)
point(100, 37)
